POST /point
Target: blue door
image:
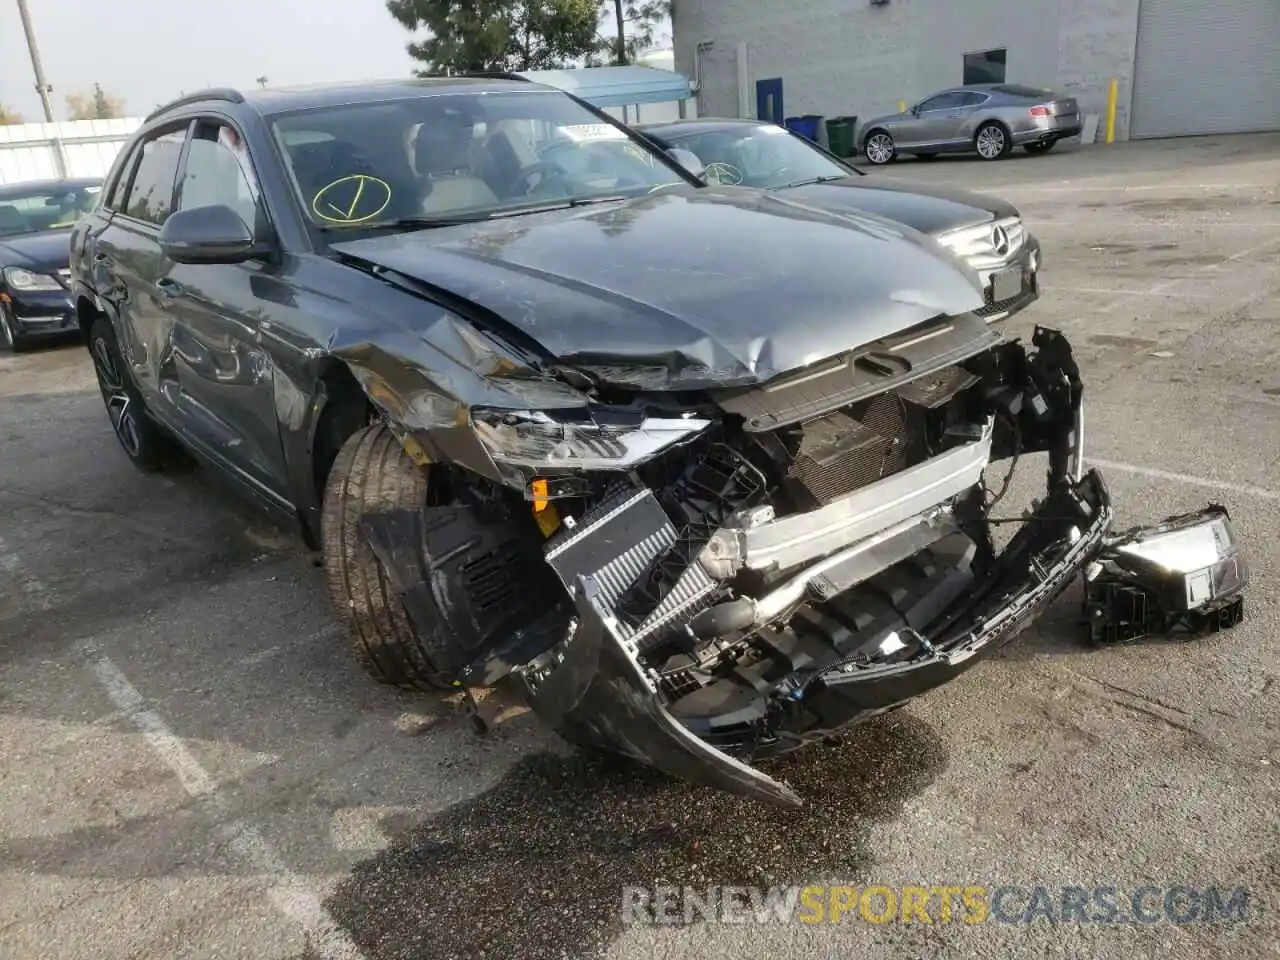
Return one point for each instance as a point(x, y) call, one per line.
point(769, 100)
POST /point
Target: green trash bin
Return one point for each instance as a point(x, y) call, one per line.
point(840, 136)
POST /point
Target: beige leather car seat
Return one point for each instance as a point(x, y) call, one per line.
point(442, 156)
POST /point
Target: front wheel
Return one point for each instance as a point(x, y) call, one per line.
point(1044, 146)
point(371, 473)
point(141, 439)
point(879, 147)
point(992, 142)
point(473, 577)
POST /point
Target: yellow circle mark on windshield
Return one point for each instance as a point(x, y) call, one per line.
point(352, 199)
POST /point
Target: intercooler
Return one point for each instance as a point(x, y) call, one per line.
point(616, 544)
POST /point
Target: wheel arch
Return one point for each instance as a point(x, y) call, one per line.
point(341, 409)
point(86, 313)
point(993, 121)
point(871, 132)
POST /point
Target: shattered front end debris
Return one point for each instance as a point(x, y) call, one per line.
point(710, 586)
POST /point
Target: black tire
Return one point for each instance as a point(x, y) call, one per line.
point(142, 440)
point(10, 340)
point(372, 472)
point(1044, 146)
point(878, 147)
point(991, 141)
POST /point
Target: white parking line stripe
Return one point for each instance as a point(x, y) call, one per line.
point(1262, 493)
point(1070, 288)
point(290, 893)
point(31, 585)
point(1066, 186)
point(1190, 275)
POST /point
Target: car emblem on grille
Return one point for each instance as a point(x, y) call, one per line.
point(1000, 239)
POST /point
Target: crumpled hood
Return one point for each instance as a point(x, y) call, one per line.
point(45, 252)
point(713, 287)
point(929, 209)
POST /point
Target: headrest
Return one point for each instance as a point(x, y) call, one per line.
point(442, 146)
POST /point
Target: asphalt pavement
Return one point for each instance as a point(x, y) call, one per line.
point(192, 766)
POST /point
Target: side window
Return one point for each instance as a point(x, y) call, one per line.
point(218, 171)
point(943, 101)
point(151, 195)
point(973, 99)
point(113, 199)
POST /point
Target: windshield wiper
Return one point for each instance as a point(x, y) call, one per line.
point(812, 180)
point(428, 222)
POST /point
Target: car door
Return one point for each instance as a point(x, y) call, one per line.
point(225, 376)
point(968, 114)
point(126, 265)
point(937, 119)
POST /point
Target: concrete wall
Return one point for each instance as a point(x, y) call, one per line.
point(852, 57)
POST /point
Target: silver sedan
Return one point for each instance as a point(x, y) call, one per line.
point(988, 119)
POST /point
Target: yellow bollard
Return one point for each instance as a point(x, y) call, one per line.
point(1111, 110)
point(902, 106)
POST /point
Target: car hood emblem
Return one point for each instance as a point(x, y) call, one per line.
point(1000, 240)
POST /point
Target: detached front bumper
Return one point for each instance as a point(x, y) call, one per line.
point(594, 685)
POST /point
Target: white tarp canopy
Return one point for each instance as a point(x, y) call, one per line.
point(616, 86)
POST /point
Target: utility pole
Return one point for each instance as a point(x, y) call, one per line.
point(42, 87)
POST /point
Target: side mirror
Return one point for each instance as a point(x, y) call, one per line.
point(689, 160)
point(212, 234)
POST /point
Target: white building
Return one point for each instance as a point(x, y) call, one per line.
point(1183, 67)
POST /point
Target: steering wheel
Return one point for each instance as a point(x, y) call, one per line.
point(546, 170)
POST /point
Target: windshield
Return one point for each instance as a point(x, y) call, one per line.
point(49, 206)
point(452, 157)
point(756, 156)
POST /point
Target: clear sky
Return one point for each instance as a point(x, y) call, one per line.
point(148, 51)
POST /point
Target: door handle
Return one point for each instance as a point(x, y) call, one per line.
point(169, 289)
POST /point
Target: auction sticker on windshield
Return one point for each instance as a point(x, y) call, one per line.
point(352, 199)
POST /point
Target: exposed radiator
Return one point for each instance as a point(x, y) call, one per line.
point(597, 547)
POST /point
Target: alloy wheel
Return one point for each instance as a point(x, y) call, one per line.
point(990, 142)
point(880, 148)
point(120, 406)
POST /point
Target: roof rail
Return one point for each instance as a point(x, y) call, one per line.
point(213, 93)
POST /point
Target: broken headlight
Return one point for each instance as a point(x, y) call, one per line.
point(579, 439)
point(1186, 573)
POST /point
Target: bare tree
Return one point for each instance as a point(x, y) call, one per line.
point(8, 116)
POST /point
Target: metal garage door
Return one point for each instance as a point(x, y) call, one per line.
point(1206, 67)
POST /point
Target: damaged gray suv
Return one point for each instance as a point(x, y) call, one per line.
point(700, 469)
